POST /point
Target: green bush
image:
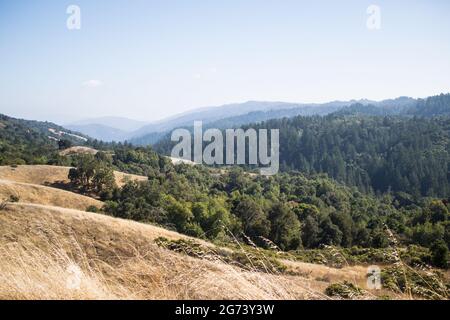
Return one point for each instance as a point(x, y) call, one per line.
point(14, 198)
point(92, 208)
point(343, 290)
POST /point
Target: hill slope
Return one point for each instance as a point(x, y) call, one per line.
point(31, 193)
point(55, 253)
point(26, 141)
point(52, 175)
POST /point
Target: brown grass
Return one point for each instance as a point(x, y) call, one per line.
point(32, 193)
point(78, 150)
point(41, 247)
point(49, 175)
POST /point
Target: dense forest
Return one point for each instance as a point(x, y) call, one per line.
point(373, 153)
point(363, 146)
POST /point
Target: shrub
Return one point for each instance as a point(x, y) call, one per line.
point(14, 198)
point(344, 290)
point(251, 260)
point(92, 208)
point(439, 254)
point(426, 284)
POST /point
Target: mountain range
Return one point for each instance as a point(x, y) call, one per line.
point(140, 132)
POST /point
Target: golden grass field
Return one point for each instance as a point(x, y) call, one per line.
point(47, 175)
point(50, 250)
point(32, 193)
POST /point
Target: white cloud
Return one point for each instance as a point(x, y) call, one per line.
point(92, 83)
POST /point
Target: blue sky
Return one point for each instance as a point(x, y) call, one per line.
point(151, 59)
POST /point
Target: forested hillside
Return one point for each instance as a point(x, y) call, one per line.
point(396, 146)
point(373, 153)
point(32, 142)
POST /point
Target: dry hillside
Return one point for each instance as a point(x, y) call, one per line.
point(32, 193)
point(78, 150)
point(45, 250)
point(48, 175)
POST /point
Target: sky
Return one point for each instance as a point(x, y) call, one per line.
point(148, 60)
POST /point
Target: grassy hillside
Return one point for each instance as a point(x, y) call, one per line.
point(44, 247)
point(53, 175)
point(31, 193)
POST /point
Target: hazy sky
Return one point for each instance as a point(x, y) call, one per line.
point(151, 59)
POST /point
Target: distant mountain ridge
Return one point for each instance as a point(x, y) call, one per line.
point(232, 115)
point(238, 114)
point(121, 123)
point(100, 132)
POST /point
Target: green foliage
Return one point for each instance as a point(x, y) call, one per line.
point(30, 142)
point(64, 144)
point(344, 290)
point(90, 174)
point(426, 284)
point(384, 154)
point(92, 208)
point(439, 254)
point(285, 227)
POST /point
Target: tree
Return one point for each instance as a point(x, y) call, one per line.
point(103, 179)
point(285, 227)
point(84, 171)
point(310, 232)
point(254, 220)
point(438, 211)
point(439, 254)
point(330, 233)
point(64, 144)
point(344, 222)
point(93, 175)
point(178, 213)
point(379, 239)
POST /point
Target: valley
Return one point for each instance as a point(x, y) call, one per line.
point(48, 229)
point(125, 222)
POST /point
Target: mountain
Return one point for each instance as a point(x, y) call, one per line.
point(285, 110)
point(121, 123)
point(238, 114)
point(431, 107)
point(232, 115)
point(100, 132)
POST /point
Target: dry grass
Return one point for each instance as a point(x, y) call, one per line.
point(78, 150)
point(32, 193)
point(49, 175)
point(43, 248)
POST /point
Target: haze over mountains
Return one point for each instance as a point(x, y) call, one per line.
point(229, 115)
